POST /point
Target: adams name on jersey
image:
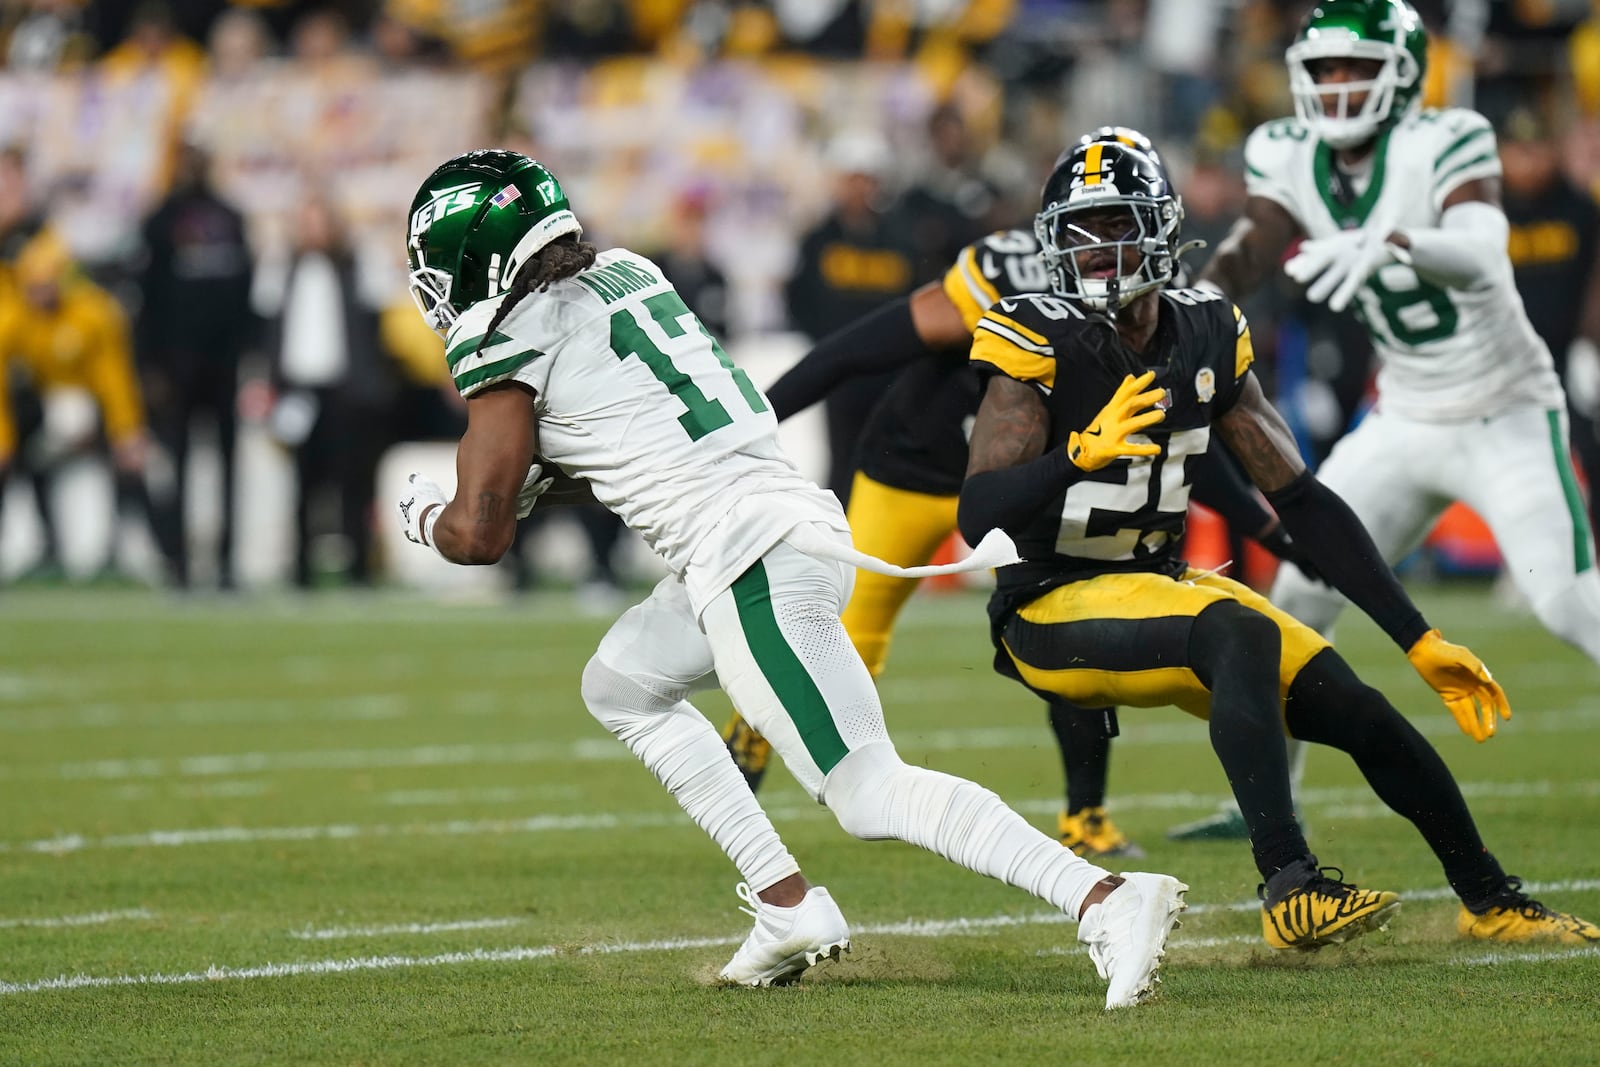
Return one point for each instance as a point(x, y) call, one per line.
point(1447, 353)
point(1129, 515)
point(632, 391)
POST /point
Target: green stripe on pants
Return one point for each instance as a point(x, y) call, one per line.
point(784, 672)
point(1582, 554)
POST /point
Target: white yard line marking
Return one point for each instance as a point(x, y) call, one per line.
point(93, 918)
point(1579, 719)
point(906, 928)
point(1333, 802)
point(334, 933)
point(1494, 958)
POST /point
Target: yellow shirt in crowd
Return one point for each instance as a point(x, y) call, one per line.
point(82, 344)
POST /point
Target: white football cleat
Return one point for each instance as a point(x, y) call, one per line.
point(786, 941)
point(1127, 934)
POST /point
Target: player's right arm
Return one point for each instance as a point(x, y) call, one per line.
point(1250, 253)
point(897, 334)
point(477, 526)
point(1252, 250)
point(1011, 474)
point(1324, 527)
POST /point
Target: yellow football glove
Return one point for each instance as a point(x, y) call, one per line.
point(1462, 682)
point(1106, 439)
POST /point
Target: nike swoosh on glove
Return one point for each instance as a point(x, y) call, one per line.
point(533, 487)
point(1462, 682)
point(1106, 439)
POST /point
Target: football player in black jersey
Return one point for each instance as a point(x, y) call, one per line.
point(911, 458)
point(1097, 401)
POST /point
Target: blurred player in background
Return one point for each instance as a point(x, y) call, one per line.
point(1400, 211)
point(1555, 258)
point(1097, 398)
point(591, 361)
point(913, 454)
point(851, 263)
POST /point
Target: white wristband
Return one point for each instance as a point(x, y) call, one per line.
point(425, 528)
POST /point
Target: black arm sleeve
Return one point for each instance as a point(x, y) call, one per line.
point(881, 341)
point(1328, 531)
point(1008, 499)
point(1220, 486)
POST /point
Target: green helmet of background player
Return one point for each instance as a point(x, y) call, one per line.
point(474, 223)
point(1387, 31)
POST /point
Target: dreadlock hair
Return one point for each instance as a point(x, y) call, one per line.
point(561, 258)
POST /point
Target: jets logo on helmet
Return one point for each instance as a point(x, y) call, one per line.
point(474, 223)
point(1387, 32)
point(444, 202)
point(1108, 224)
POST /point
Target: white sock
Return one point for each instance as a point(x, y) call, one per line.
point(684, 752)
point(875, 795)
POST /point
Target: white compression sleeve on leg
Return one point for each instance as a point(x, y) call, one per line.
point(875, 795)
point(1573, 614)
point(683, 751)
point(1467, 248)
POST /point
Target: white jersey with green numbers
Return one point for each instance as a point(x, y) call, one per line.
point(636, 397)
point(1446, 353)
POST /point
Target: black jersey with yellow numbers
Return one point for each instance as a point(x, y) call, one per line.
point(1129, 515)
point(916, 437)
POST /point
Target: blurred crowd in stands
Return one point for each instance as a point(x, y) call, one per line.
point(201, 203)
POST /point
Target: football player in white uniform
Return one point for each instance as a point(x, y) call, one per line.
point(590, 363)
point(1399, 208)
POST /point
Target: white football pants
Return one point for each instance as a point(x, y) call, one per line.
point(775, 642)
point(1398, 475)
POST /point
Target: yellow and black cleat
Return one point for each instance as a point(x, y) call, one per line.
point(1090, 833)
point(750, 751)
point(1322, 910)
point(1515, 918)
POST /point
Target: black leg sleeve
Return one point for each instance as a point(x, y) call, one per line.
point(1085, 743)
point(1329, 705)
point(1235, 652)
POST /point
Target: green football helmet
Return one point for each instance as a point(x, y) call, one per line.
point(474, 223)
point(1389, 31)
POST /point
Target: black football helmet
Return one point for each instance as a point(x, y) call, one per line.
point(1108, 224)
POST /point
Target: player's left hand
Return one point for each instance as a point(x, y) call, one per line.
point(414, 506)
point(1334, 268)
point(1462, 682)
point(533, 487)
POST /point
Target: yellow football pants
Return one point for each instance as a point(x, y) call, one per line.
point(1124, 639)
point(899, 527)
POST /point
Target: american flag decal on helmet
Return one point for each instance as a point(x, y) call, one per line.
point(505, 196)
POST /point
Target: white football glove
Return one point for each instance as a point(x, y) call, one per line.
point(422, 492)
point(533, 487)
point(1334, 268)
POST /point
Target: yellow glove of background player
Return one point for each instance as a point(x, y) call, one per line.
point(1462, 682)
point(1106, 439)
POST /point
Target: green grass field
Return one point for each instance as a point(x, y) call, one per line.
point(386, 831)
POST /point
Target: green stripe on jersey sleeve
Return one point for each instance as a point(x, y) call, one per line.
point(1464, 141)
point(1477, 161)
point(489, 373)
point(463, 349)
